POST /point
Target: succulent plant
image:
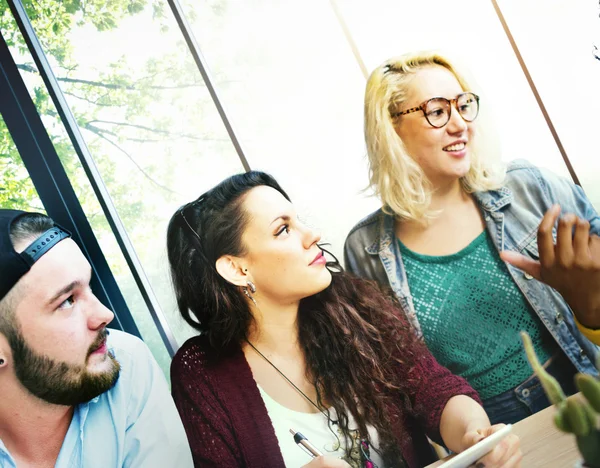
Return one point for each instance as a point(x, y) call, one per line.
point(577, 414)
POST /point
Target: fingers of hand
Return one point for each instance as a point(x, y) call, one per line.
point(476, 434)
point(495, 428)
point(594, 244)
point(564, 241)
point(471, 438)
point(544, 239)
point(574, 244)
point(512, 447)
point(594, 249)
point(514, 461)
point(581, 243)
point(502, 453)
point(522, 262)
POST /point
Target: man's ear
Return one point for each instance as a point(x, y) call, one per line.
point(231, 268)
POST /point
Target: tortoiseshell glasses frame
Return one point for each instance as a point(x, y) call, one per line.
point(438, 110)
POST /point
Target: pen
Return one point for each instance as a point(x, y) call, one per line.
point(304, 443)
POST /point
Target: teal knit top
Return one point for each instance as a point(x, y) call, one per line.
point(471, 313)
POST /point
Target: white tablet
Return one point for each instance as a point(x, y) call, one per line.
point(472, 454)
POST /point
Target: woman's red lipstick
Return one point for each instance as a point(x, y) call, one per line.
point(319, 259)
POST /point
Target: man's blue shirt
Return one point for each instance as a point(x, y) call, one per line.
point(135, 424)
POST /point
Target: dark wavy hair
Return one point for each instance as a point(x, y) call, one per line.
point(353, 334)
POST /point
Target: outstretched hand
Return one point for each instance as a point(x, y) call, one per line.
point(507, 454)
point(571, 266)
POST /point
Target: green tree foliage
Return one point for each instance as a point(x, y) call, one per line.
point(16, 189)
point(144, 124)
point(115, 90)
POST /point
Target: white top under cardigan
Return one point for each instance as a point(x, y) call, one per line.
point(315, 428)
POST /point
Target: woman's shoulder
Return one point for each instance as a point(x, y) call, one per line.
point(365, 232)
point(192, 357)
point(369, 220)
point(198, 361)
point(521, 172)
point(529, 182)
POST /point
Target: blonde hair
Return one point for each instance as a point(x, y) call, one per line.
point(395, 177)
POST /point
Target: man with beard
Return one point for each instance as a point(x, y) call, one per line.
point(71, 394)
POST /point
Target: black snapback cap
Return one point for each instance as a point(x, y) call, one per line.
point(14, 265)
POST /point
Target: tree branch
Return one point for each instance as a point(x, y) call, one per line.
point(156, 130)
point(100, 134)
point(94, 129)
point(100, 84)
point(94, 102)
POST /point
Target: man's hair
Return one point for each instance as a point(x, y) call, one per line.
point(23, 230)
point(29, 227)
point(7, 309)
point(396, 178)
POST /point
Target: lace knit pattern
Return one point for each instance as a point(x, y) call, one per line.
point(471, 313)
point(228, 425)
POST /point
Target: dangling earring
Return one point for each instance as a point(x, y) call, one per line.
point(247, 293)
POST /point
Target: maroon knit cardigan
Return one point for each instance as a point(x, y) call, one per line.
point(228, 426)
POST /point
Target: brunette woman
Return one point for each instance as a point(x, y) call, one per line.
point(289, 341)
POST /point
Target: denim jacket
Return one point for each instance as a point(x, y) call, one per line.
point(512, 216)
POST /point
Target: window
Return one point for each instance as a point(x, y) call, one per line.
point(148, 122)
point(294, 93)
point(292, 85)
point(469, 32)
point(16, 189)
point(561, 59)
point(294, 89)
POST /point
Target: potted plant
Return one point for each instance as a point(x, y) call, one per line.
point(578, 414)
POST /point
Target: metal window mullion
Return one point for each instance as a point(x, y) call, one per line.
point(348, 36)
point(536, 94)
point(93, 174)
point(190, 39)
point(53, 185)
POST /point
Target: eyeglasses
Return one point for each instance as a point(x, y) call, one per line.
point(437, 110)
point(185, 207)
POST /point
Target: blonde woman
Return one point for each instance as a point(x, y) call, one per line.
point(447, 213)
